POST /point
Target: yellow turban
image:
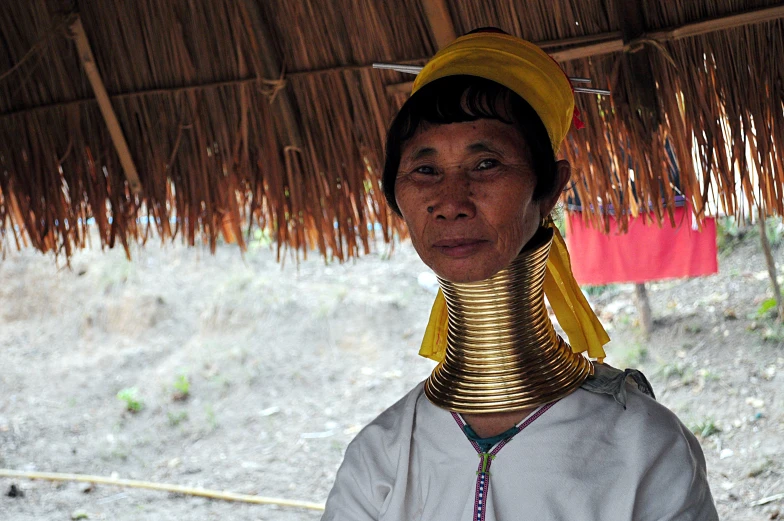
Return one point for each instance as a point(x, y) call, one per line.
point(516, 64)
point(528, 71)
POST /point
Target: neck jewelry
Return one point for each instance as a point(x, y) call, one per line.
point(503, 353)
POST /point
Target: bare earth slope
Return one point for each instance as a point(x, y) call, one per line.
point(284, 366)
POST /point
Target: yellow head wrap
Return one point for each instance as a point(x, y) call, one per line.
point(528, 71)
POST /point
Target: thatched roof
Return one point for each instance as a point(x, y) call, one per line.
point(242, 113)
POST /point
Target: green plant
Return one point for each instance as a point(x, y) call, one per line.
point(632, 354)
point(211, 419)
point(773, 334)
point(671, 369)
point(774, 230)
point(728, 234)
point(262, 238)
point(182, 388)
point(559, 219)
point(767, 308)
point(709, 375)
point(595, 291)
point(131, 398)
point(706, 427)
point(177, 418)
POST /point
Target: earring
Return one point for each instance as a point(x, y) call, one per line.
point(430, 209)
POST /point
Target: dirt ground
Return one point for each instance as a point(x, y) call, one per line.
point(285, 364)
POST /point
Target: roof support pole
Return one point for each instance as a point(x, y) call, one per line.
point(102, 97)
point(643, 98)
point(440, 22)
point(258, 32)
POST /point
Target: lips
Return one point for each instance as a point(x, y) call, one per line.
point(459, 247)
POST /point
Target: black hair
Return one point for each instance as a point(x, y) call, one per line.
point(461, 98)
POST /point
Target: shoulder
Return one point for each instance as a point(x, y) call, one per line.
point(387, 430)
point(369, 470)
point(666, 459)
point(642, 425)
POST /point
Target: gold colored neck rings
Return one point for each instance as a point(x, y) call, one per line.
point(503, 353)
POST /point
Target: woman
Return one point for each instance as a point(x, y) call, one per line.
point(514, 423)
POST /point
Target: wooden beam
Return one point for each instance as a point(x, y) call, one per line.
point(579, 40)
point(440, 22)
point(102, 97)
point(676, 33)
point(258, 30)
point(589, 50)
point(643, 98)
point(719, 24)
point(400, 88)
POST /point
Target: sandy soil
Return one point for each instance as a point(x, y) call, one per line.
point(285, 364)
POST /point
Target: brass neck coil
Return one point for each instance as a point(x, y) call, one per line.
point(503, 353)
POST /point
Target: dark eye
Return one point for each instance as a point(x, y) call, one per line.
point(427, 170)
point(486, 164)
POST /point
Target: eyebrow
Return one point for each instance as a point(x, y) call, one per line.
point(482, 146)
point(479, 146)
point(422, 152)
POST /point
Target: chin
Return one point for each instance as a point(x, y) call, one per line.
point(466, 270)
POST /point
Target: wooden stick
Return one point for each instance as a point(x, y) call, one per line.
point(164, 487)
point(258, 31)
point(693, 29)
point(644, 309)
point(589, 50)
point(771, 265)
point(718, 24)
point(766, 500)
point(440, 22)
point(102, 97)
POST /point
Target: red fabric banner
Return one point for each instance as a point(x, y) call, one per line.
point(645, 253)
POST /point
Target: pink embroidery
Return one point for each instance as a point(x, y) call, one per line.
point(486, 459)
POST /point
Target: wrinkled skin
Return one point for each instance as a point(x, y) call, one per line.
point(478, 179)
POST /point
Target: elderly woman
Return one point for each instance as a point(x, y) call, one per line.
point(514, 423)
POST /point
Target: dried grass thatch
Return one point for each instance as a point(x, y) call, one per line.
point(243, 113)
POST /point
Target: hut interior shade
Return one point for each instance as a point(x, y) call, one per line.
point(234, 124)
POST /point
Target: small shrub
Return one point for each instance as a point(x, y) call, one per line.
point(177, 418)
point(131, 398)
point(704, 428)
point(773, 334)
point(212, 420)
point(633, 354)
point(767, 308)
point(728, 234)
point(672, 369)
point(182, 388)
point(596, 291)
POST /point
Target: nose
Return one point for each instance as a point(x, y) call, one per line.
point(454, 199)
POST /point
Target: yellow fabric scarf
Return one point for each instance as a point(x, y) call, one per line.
point(530, 72)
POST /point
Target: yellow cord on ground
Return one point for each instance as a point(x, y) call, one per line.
point(213, 494)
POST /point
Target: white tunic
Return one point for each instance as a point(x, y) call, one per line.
point(585, 458)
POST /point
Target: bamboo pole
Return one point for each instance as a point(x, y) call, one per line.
point(643, 304)
point(440, 22)
point(771, 265)
point(164, 487)
point(102, 97)
point(718, 24)
point(261, 40)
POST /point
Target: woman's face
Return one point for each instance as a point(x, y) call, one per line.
point(477, 179)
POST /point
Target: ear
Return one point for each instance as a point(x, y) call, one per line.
point(563, 172)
